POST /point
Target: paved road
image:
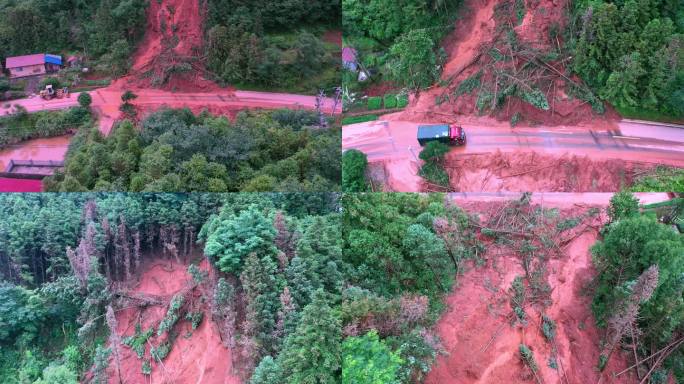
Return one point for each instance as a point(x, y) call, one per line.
point(631, 141)
point(106, 103)
point(557, 199)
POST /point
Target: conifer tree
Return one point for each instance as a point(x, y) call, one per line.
point(311, 355)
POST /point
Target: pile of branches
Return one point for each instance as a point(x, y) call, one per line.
point(510, 68)
point(536, 235)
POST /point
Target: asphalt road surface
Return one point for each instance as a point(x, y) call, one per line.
point(631, 141)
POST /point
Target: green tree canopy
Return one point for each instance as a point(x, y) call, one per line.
point(367, 360)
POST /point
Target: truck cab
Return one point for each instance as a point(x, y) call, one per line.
point(450, 134)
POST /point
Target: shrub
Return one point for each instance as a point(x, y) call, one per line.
point(468, 85)
point(527, 357)
point(55, 82)
point(402, 101)
point(354, 165)
point(172, 315)
point(159, 353)
point(548, 328)
point(434, 151)
point(195, 318)
point(622, 205)
point(84, 99)
point(358, 119)
point(390, 101)
point(374, 102)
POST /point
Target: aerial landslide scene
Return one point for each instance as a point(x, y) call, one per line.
point(169, 95)
point(170, 288)
point(513, 95)
point(322, 288)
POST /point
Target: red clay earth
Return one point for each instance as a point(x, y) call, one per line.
point(162, 46)
point(482, 347)
point(20, 185)
point(532, 171)
point(474, 29)
point(333, 36)
point(197, 358)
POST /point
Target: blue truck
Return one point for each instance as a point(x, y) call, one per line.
point(450, 134)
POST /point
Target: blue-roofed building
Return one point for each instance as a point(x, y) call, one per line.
point(30, 65)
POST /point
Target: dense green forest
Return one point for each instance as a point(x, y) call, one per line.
point(274, 43)
point(105, 30)
point(401, 253)
point(175, 150)
point(639, 295)
point(400, 39)
point(631, 52)
point(62, 255)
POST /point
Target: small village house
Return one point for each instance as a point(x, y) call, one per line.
point(31, 65)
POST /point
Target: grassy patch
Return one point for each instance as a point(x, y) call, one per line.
point(358, 119)
point(402, 101)
point(374, 102)
point(646, 114)
point(661, 179)
point(390, 101)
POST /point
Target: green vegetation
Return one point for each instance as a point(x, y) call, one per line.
point(174, 150)
point(640, 285)
point(400, 39)
point(106, 31)
point(354, 164)
point(661, 179)
point(433, 169)
point(368, 360)
point(400, 258)
point(389, 101)
point(374, 102)
point(54, 258)
point(358, 119)
point(630, 53)
point(20, 125)
point(59, 253)
point(276, 44)
point(528, 358)
point(84, 99)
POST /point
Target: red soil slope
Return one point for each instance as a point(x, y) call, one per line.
point(474, 30)
point(531, 171)
point(199, 358)
point(482, 346)
point(162, 46)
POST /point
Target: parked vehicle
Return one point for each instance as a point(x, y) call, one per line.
point(450, 134)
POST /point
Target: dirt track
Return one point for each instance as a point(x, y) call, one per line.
point(625, 143)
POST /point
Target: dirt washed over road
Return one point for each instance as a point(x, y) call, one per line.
point(482, 346)
point(500, 158)
point(197, 356)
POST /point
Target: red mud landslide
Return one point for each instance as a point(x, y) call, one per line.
point(481, 344)
point(467, 49)
point(197, 356)
point(532, 171)
point(162, 47)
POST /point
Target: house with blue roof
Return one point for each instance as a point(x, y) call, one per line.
point(32, 65)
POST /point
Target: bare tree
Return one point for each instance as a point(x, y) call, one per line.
point(114, 339)
point(626, 314)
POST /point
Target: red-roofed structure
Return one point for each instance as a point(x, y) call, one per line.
point(30, 65)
